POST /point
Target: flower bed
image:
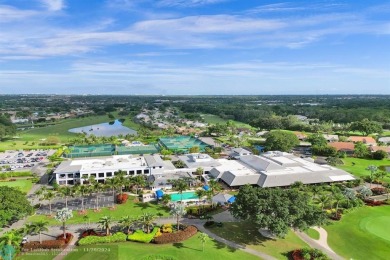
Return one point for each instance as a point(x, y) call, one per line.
point(59, 243)
point(308, 253)
point(373, 203)
point(140, 236)
point(176, 237)
point(91, 232)
point(378, 191)
point(91, 240)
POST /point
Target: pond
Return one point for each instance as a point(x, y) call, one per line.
point(113, 128)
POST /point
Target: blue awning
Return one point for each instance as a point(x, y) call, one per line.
point(159, 194)
point(206, 187)
point(232, 199)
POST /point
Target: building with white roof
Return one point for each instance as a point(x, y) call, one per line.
point(199, 160)
point(238, 152)
point(78, 170)
point(274, 169)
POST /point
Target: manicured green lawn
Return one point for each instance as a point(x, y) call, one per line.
point(359, 169)
point(246, 234)
point(190, 249)
point(314, 234)
point(130, 208)
point(22, 184)
point(362, 234)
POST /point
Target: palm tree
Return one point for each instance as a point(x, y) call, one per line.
point(112, 184)
point(38, 227)
point(323, 199)
point(11, 238)
point(180, 186)
point(105, 223)
point(200, 193)
point(49, 196)
point(166, 198)
point(372, 169)
point(139, 182)
point(215, 187)
point(178, 210)
point(203, 237)
point(127, 223)
point(147, 220)
point(82, 190)
point(338, 197)
point(87, 220)
point(315, 189)
point(66, 192)
point(97, 188)
point(64, 215)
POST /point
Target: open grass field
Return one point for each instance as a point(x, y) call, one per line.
point(214, 119)
point(362, 234)
point(314, 234)
point(246, 234)
point(360, 167)
point(130, 208)
point(189, 249)
point(22, 184)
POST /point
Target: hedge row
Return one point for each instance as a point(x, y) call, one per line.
point(17, 174)
point(176, 237)
point(140, 236)
point(91, 240)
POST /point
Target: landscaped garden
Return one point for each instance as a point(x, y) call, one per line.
point(188, 249)
point(362, 234)
point(245, 233)
point(130, 208)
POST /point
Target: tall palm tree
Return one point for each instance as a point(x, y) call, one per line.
point(180, 186)
point(105, 223)
point(49, 195)
point(127, 223)
point(200, 193)
point(112, 184)
point(82, 191)
point(138, 182)
point(338, 197)
point(64, 215)
point(177, 211)
point(38, 227)
point(215, 187)
point(146, 220)
point(97, 188)
point(66, 192)
point(372, 169)
point(121, 180)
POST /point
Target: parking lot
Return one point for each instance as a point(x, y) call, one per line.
point(18, 160)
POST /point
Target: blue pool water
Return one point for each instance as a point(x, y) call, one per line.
point(191, 195)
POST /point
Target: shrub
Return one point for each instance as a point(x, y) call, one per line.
point(166, 228)
point(373, 203)
point(140, 236)
point(176, 237)
point(122, 198)
point(378, 191)
point(209, 223)
point(91, 240)
point(308, 253)
point(379, 155)
point(91, 232)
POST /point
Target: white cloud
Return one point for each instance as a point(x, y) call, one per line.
point(188, 3)
point(53, 5)
point(11, 14)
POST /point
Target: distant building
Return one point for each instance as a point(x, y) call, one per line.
point(347, 147)
point(331, 138)
point(368, 140)
point(238, 152)
point(385, 140)
point(195, 160)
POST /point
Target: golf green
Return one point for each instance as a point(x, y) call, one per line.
point(379, 226)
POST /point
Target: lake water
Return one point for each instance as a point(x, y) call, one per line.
point(106, 129)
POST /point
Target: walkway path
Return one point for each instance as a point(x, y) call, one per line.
point(199, 224)
point(321, 244)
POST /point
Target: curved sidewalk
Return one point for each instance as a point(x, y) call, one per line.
point(321, 244)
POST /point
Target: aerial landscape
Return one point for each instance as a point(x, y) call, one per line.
point(194, 129)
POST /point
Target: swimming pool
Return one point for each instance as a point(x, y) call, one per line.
point(190, 195)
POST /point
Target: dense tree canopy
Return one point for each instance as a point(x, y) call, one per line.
point(13, 205)
point(276, 209)
point(281, 141)
point(366, 127)
point(6, 127)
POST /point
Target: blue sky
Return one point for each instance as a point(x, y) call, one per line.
point(194, 47)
